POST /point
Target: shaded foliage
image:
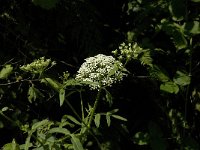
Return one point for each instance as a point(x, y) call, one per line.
point(159, 98)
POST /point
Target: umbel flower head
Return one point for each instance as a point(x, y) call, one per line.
point(38, 66)
point(101, 69)
point(132, 51)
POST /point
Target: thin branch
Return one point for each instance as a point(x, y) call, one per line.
point(15, 82)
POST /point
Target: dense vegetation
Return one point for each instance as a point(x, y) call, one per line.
point(108, 75)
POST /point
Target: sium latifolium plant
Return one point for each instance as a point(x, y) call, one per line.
point(98, 72)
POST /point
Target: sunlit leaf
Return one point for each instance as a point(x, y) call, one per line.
point(192, 27)
point(39, 124)
point(71, 118)
point(59, 130)
point(62, 96)
point(146, 58)
point(34, 93)
point(197, 107)
point(181, 78)
point(71, 82)
point(6, 71)
point(119, 117)
point(108, 119)
point(31, 94)
point(11, 146)
point(113, 70)
point(53, 83)
point(76, 142)
point(113, 111)
point(97, 119)
point(169, 87)
point(27, 142)
point(4, 109)
point(109, 97)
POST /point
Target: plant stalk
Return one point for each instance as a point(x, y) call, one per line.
point(94, 108)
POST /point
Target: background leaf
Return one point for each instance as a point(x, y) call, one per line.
point(6, 71)
point(192, 27)
point(156, 137)
point(169, 87)
point(46, 4)
point(141, 138)
point(76, 143)
point(177, 9)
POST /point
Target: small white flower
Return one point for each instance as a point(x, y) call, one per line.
point(101, 69)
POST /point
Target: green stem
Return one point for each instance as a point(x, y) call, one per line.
point(94, 108)
point(82, 120)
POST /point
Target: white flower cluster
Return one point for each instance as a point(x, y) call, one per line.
point(128, 51)
point(38, 66)
point(101, 69)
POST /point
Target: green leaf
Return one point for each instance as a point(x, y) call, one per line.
point(27, 142)
point(6, 71)
point(113, 70)
point(59, 130)
point(141, 138)
point(159, 73)
point(108, 119)
point(62, 96)
point(11, 146)
point(192, 27)
point(197, 1)
point(177, 9)
point(109, 97)
point(76, 143)
point(197, 106)
point(31, 94)
point(176, 31)
point(145, 58)
point(71, 82)
point(46, 4)
point(53, 83)
point(34, 93)
point(97, 120)
point(89, 83)
point(39, 124)
point(1, 125)
point(72, 119)
point(169, 87)
point(4, 109)
point(119, 117)
point(113, 111)
point(179, 40)
point(181, 78)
